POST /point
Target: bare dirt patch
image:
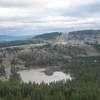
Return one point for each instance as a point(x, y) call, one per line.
point(50, 70)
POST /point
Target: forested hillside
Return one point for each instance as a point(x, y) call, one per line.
point(83, 34)
point(86, 32)
point(85, 86)
point(78, 35)
point(48, 36)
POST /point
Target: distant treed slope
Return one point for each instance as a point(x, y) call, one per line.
point(83, 34)
point(75, 35)
point(80, 35)
point(38, 39)
point(49, 36)
point(86, 32)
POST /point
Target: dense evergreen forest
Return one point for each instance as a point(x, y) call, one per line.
point(2, 70)
point(84, 86)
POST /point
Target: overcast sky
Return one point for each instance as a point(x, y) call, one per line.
point(26, 17)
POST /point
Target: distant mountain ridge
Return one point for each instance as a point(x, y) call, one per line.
point(88, 32)
point(52, 36)
point(48, 36)
point(4, 38)
point(72, 35)
point(80, 35)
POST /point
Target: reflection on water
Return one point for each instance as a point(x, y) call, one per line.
point(38, 76)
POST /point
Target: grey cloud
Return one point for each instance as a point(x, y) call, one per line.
point(76, 11)
point(86, 10)
point(46, 29)
point(16, 3)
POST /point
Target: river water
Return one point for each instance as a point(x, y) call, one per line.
point(38, 76)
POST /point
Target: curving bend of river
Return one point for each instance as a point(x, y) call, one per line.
point(38, 76)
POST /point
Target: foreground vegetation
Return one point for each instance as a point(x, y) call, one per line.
point(2, 70)
point(85, 86)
